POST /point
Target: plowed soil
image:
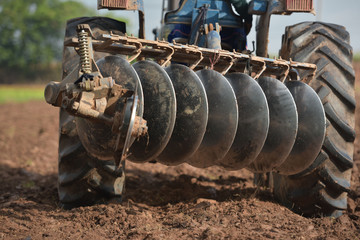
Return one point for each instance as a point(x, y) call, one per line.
point(161, 202)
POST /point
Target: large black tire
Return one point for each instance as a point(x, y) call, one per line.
point(321, 190)
point(84, 180)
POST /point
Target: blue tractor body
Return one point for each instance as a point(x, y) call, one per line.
point(192, 23)
point(217, 12)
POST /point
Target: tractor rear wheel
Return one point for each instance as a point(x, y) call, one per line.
point(321, 190)
point(83, 180)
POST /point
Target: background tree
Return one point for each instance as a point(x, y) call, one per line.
point(31, 31)
point(31, 37)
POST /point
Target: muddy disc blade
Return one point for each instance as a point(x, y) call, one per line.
point(311, 130)
point(253, 122)
point(222, 121)
point(159, 111)
point(124, 74)
point(191, 116)
point(282, 129)
point(98, 138)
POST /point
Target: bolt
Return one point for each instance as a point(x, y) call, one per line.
point(64, 103)
point(140, 127)
point(51, 93)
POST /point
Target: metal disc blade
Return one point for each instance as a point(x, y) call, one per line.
point(159, 111)
point(191, 116)
point(282, 129)
point(222, 122)
point(311, 130)
point(253, 122)
point(98, 138)
point(124, 74)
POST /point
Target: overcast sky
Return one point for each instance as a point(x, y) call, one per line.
point(346, 13)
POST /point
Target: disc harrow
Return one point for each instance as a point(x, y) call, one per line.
point(194, 105)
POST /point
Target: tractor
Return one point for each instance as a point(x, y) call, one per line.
point(197, 95)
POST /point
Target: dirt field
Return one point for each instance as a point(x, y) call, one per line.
point(161, 202)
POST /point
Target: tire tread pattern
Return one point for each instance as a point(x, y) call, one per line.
point(79, 178)
point(321, 190)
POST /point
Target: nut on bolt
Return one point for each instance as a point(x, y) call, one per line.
point(140, 127)
point(86, 28)
point(51, 92)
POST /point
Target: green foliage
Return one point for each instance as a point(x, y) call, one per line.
point(20, 94)
point(32, 30)
point(32, 33)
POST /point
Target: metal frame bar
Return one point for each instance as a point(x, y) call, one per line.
point(194, 56)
